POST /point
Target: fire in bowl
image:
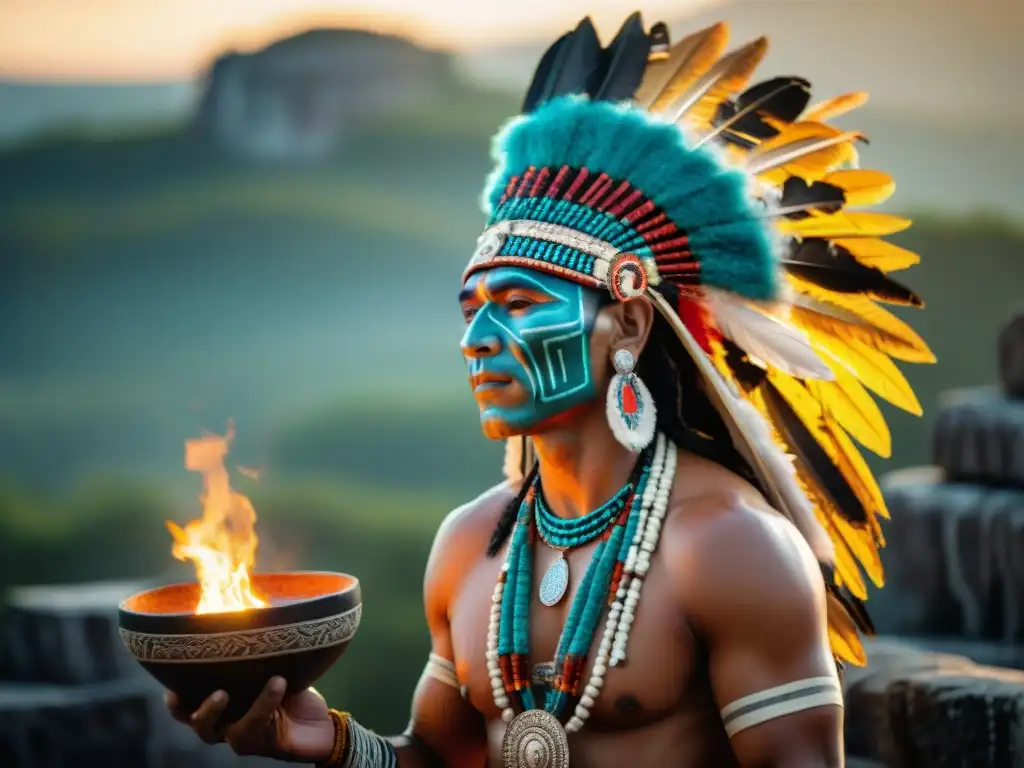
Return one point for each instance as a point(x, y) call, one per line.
point(307, 624)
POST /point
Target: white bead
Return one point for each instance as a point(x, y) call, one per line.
point(591, 690)
point(497, 685)
point(582, 713)
point(573, 725)
point(492, 655)
point(501, 702)
point(508, 714)
point(586, 701)
point(600, 669)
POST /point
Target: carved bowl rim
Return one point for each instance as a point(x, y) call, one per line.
point(307, 597)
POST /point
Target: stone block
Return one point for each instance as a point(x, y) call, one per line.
point(46, 726)
point(911, 708)
point(64, 635)
point(979, 437)
point(954, 560)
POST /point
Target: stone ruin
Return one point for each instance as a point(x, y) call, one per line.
point(949, 692)
point(70, 695)
point(942, 688)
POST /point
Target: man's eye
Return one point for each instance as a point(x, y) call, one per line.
point(519, 303)
point(469, 313)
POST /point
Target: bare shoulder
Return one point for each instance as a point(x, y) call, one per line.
point(460, 542)
point(732, 556)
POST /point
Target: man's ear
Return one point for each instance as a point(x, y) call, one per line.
point(633, 321)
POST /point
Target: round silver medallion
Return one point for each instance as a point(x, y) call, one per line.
point(535, 739)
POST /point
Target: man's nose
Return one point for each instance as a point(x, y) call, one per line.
point(475, 347)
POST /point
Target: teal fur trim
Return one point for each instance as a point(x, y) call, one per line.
point(709, 201)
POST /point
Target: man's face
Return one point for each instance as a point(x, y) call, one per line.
point(527, 344)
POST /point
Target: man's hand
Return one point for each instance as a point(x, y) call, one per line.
point(297, 728)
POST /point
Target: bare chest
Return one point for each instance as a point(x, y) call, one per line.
point(655, 680)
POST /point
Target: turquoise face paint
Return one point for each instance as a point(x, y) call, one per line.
point(527, 344)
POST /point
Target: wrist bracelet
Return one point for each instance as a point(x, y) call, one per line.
point(341, 721)
point(357, 747)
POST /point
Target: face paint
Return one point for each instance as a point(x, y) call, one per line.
point(527, 343)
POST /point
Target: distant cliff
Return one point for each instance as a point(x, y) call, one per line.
point(295, 99)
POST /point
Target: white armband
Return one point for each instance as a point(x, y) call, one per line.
point(442, 670)
point(780, 701)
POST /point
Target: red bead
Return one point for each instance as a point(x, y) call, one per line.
point(628, 399)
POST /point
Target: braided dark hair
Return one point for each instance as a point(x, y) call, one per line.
point(685, 415)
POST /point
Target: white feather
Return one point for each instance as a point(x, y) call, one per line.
point(766, 336)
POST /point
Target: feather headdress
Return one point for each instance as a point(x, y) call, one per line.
point(653, 170)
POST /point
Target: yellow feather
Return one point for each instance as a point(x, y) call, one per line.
point(863, 187)
point(666, 80)
point(792, 132)
point(878, 253)
point(873, 368)
point(814, 165)
point(840, 105)
point(855, 410)
point(878, 329)
point(845, 224)
point(832, 439)
point(730, 74)
point(842, 634)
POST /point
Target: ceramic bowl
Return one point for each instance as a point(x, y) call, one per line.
point(309, 623)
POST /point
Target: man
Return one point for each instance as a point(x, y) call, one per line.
point(657, 583)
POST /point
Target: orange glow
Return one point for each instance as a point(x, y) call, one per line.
point(221, 544)
point(144, 40)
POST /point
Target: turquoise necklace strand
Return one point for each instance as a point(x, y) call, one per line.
point(621, 516)
point(564, 535)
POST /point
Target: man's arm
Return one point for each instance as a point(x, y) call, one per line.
point(756, 597)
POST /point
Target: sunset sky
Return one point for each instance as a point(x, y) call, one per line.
point(171, 39)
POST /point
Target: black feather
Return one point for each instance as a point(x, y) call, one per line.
point(747, 375)
point(855, 607)
point(819, 196)
point(783, 98)
point(567, 67)
point(661, 41)
point(813, 458)
point(623, 63)
point(834, 268)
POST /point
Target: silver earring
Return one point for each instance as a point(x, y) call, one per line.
point(629, 405)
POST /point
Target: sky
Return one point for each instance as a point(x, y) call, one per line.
point(149, 40)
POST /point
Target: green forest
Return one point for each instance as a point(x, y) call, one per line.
point(153, 288)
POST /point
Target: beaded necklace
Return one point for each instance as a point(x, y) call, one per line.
point(562, 535)
point(613, 580)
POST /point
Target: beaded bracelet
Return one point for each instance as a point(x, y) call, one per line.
point(341, 720)
point(356, 747)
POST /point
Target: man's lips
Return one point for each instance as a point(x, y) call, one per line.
point(481, 381)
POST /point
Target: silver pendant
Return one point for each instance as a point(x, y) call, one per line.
point(555, 582)
point(535, 739)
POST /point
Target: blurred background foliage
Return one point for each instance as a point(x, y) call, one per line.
point(154, 285)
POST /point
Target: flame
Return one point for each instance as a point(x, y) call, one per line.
point(222, 544)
